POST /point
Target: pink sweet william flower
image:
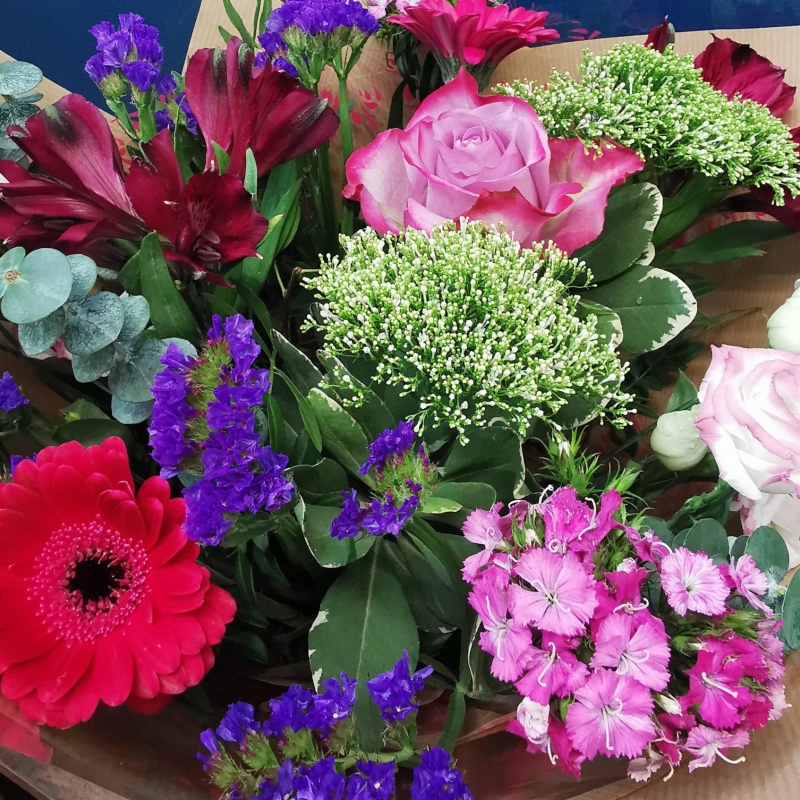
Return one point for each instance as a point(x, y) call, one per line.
point(647, 545)
point(693, 582)
point(715, 683)
point(484, 528)
point(485, 158)
point(612, 715)
point(706, 744)
point(750, 582)
point(552, 670)
point(506, 639)
point(621, 591)
point(561, 598)
point(635, 647)
point(477, 34)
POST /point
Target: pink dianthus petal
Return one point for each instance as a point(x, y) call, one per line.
point(692, 582)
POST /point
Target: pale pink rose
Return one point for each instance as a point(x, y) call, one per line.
point(750, 419)
point(485, 158)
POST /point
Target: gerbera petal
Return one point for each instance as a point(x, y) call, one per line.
point(112, 669)
point(153, 516)
point(73, 664)
point(183, 578)
point(122, 513)
point(189, 633)
point(154, 645)
point(62, 489)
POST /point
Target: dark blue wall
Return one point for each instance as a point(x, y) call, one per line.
point(53, 34)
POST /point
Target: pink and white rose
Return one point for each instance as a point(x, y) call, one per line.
point(750, 419)
point(486, 158)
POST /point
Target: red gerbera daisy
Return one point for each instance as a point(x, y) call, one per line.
point(101, 597)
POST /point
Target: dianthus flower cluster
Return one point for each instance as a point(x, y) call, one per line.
point(659, 105)
point(314, 735)
point(471, 323)
point(402, 475)
point(204, 422)
point(606, 662)
point(10, 395)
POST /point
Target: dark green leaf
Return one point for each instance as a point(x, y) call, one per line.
point(321, 483)
point(277, 429)
point(92, 431)
point(248, 645)
point(708, 536)
point(736, 240)
point(307, 413)
point(130, 277)
point(769, 551)
point(330, 552)
point(697, 195)
point(297, 365)
point(256, 304)
point(684, 395)
point(244, 578)
point(168, 310)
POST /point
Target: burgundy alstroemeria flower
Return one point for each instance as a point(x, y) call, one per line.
point(660, 36)
point(210, 220)
point(734, 68)
point(240, 106)
point(82, 203)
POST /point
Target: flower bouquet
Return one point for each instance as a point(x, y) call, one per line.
point(365, 426)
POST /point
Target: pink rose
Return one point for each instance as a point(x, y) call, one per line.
point(750, 419)
point(485, 158)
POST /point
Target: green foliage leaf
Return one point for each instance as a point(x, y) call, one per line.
point(321, 483)
point(631, 216)
point(697, 195)
point(790, 632)
point(14, 113)
point(43, 285)
point(130, 277)
point(223, 159)
point(653, 305)
point(492, 456)
point(330, 552)
point(137, 315)
point(297, 365)
point(609, 326)
point(249, 645)
point(708, 536)
point(168, 310)
point(89, 368)
point(36, 337)
point(277, 428)
point(251, 172)
point(130, 413)
point(736, 240)
point(243, 573)
point(84, 276)
point(93, 323)
point(363, 626)
point(132, 377)
point(238, 23)
point(91, 431)
point(341, 434)
point(18, 77)
point(769, 551)
point(684, 395)
point(307, 415)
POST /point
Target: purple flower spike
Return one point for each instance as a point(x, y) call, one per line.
point(392, 443)
point(10, 395)
point(394, 690)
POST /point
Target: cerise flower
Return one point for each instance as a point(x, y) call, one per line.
point(101, 597)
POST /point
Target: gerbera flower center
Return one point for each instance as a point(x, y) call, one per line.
point(88, 580)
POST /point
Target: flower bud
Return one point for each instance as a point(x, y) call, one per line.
point(784, 325)
point(676, 441)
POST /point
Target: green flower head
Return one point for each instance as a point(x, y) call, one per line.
point(475, 326)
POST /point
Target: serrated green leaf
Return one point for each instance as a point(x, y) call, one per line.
point(18, 77)
point(631, 216)
point(132, 377)
point(653, 305)
point(84, 276)
point(684, 395)
point(363, 627)
point(41, 283)
point(93, 323)
point(89, 368)
point(130, 413)
point(137, 315)
point(36, 337)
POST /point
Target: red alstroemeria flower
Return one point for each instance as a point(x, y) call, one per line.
point(101, 598)
point(209, 221)
point(660, 36)
point(473, 32)
point(240, 106)
point(83, 201)
point(734, 68)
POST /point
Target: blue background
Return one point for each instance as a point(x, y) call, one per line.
point(53, 33)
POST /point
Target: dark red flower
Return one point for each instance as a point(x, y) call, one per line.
point(209, 221)
point(240, 106)
point(661, 36)
point(101, 598)
point(734, 68)
point(83, 201)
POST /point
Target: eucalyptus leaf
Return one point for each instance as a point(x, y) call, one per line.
point(84, 276)
point(130, 413)
point(36, 337)
point(363, 626)
point(18, 77)
point(653, 305)
point(769, 551)
point(37, 287)
point(89, 368)
point(137, 315)
point(93, 323)
point(708, 536)
point(132, 376)
point(16, 113)
point(790, 631)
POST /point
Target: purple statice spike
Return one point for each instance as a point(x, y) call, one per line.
point(373, 781)
point(291, 711)
point(393, 443)
point(238, 721)
point(435, 779)
point(142, 74)
point(334, 704)
point(10, 395)
point(393, 691)
point(97, 69)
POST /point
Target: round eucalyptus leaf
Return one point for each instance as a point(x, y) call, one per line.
point(10, 261)
point(16, 113)
point(132, 376)
point(84, 275)
point(30, 97)
point(93, 324)
point(37, 287)
point(137, 315)
point(11, 154)
point(90, 368)
point(130, 413)
point(18, 77)
point(36, 337)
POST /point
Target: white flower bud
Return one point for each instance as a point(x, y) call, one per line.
point(534, 718)
point(676, 441)
point(784, 325)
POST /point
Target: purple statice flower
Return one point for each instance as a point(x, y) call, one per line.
point(320, 781)
point(393, 691)
point(15, 461)
point(97, 69)
point(284, 65)
point(348, 524)
point(142, 74)
point(373, 781)
point(334, 704)
point(315, 17)
point(392, 444)
point(239, 720)
point(190, 121)
point(166, 85)
point(435, 779)
point(385, 517)
point(272, 42)
point(10, 395)
point(289, 711)
point(209, 740)
point(163, 120)
point(282, 787)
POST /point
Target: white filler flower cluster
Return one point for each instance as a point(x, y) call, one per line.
point(477, 327)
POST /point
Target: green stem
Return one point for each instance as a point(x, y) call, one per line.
point(328, 204)
point(455, 718)
point(347, 138)
point(121, 113)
